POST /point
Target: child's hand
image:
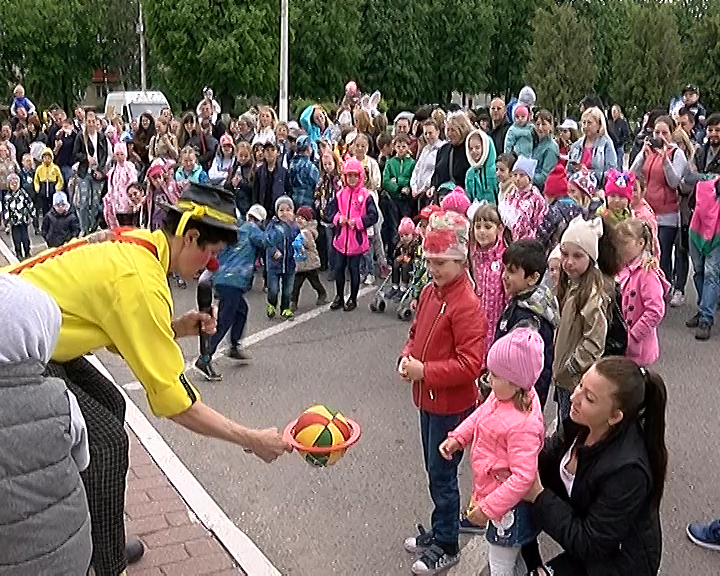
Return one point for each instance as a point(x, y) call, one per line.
point(413, 305)
point(649, 263)
point(414, 369)
point(477, 516)
point(401, 368)
point(277, 255)
point(449, 447)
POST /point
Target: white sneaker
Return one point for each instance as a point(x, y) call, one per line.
point(678, 299)
point(370, 280)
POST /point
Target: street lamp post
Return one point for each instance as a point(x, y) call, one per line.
point(284, 16)
point(141, 33)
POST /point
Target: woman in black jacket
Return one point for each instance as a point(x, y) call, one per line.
point(601, 480)
point(451, 162)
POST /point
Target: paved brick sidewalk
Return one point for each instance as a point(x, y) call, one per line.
point(176, 543)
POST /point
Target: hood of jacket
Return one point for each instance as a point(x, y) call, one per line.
point(354, 166)
point(48, 150)
point(486, 151)
point(311, 227)
point(541, 301)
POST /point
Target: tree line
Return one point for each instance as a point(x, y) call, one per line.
point(635, 52)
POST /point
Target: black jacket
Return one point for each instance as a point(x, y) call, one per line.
point(81, 151)
point(268, 187)
point(444, 172)
point(609, 523)
point(620, 131)
point(57, 229)
point(498, 135)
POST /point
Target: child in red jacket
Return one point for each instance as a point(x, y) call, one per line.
point(442, 359)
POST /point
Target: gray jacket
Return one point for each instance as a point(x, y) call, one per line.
point(44, 517)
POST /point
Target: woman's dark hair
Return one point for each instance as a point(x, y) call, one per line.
point(641, 395)
point(665, 119)
point(208, 234)
point(507, 159)
point(545, 115)
point(182, 136)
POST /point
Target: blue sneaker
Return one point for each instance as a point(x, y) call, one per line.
point(705, 535)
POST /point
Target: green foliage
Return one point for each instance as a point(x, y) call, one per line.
point(646, 68)
point(561, 67)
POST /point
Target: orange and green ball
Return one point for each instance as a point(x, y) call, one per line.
point(321, 427)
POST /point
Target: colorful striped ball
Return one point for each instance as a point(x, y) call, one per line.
point(319, 426)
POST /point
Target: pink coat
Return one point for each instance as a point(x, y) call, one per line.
point(504, 453)
point(643, 307)
point(487, 270)
point(352, 204)
point(116, 200)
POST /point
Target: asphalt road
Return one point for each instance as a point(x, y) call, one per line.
point(351, 519)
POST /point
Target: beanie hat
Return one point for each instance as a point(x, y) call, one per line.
point(457, 201)
point(521, 108)
point(258, 212)
point(585, 234)
point(155, 170)
point(555, 254)
point(527, 96)
point(518, 357)
point(525, 165)
point(406, 226)
point(120, 147)
point(284, 200)
point(619, 184)
point(226, 140)
point(305, 212)
point(60, 198)
point(556, 184)
point(585, 180)
point(447, 236)
point(428, 211)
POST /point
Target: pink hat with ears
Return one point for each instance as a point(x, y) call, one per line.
point(120, 147)
point(457, 201)
point(619, 184)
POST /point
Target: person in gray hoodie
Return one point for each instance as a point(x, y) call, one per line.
point(44, 516)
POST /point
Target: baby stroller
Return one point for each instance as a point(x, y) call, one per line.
point(403, 298)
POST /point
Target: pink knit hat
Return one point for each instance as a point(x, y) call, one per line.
point(457, 201)
point(619, 184)
point(406, 226)
point(521, 108)
point(447, 236)
point(518, 357)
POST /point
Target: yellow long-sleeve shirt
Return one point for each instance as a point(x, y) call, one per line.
point(49, 173)
point(116, 295)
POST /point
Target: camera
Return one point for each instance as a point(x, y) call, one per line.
point(656, 143)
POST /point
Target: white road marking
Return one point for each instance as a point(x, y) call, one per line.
point(248, 556)
point(282, 326)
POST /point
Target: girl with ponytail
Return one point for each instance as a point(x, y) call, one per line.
point(601, 480)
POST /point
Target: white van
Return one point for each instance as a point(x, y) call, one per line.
point(131, 104)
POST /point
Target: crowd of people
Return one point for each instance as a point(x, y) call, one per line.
point(534, 261)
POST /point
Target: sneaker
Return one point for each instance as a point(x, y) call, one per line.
point(337, 303)
point(181, 283)
point(705, 535)
point(237, 354)
point(134, 550)
point(350, 305)
point(703, 331)
point(420, 542)
point(370, 280)
point(435, 560)
point(322, 299)
point(678, 299)
point(694, 322)
point(287, 314)
point(270, 311)
point(467, 527)
point(207, 370)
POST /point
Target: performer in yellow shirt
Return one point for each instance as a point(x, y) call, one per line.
point(112, 290)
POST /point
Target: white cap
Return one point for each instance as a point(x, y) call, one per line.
point(568, 124)
point(258, 212)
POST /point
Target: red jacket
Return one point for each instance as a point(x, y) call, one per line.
point(448, 337)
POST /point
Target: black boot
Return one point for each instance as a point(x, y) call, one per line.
point(134, 550)
point(337, 303)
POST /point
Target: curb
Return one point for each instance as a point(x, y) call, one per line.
point(238, 544)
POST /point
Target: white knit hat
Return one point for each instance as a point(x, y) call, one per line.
point(526, 166)
point(585, 234)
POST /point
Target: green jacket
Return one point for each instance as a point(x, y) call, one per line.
point(547, 154)
point(480, 180)
point(397, 175)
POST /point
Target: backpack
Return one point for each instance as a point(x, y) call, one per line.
point(617, 335)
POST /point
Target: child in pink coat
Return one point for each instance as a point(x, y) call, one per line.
point(489, 238)
point(506, 433)
point(641, 210)
point(643, 289)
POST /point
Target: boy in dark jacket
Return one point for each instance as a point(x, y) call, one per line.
point(303, 174)
point(61, 224)
point(529, 301)
point(442, 358)
point(279, 257)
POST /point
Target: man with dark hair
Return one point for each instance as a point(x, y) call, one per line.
point(686, 120)
point(707, 156)
point(112, 290)
point(500, 123)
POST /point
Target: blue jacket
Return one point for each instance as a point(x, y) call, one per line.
point(547, 154)
point(604, 157)
point(302, 178)
point(313, 130)
point(279, 237)
point(237, 262)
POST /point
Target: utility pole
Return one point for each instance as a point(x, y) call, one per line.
point(141, 33)
point(284, 16)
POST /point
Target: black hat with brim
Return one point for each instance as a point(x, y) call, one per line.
point(211, 205)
